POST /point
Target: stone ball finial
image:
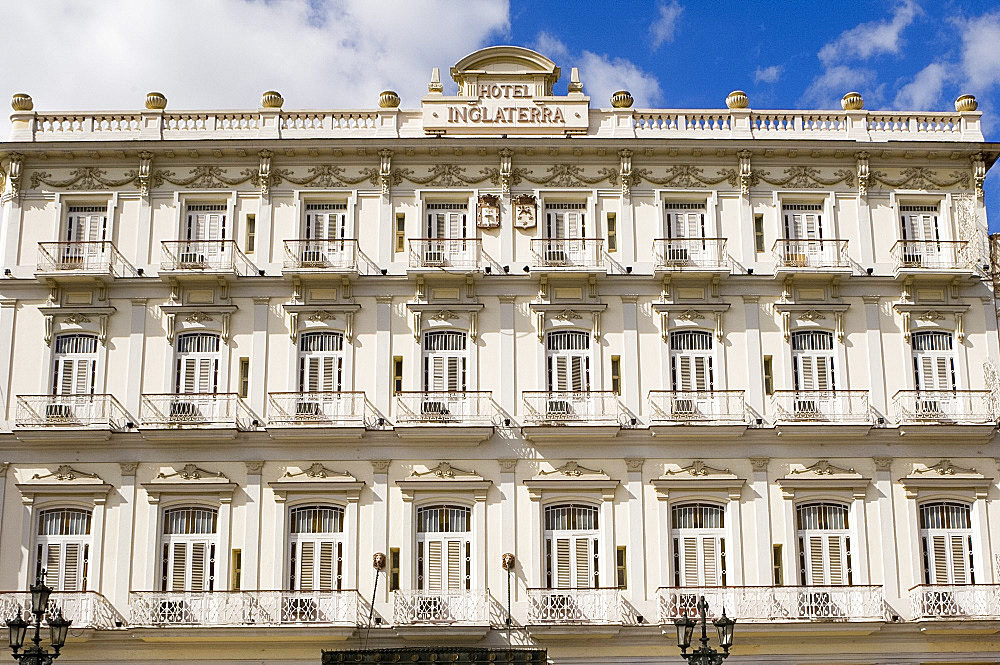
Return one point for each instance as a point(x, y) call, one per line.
point(156, 101)
point(852, 101)
point(21, 101)
point(737, 99)
point(388, 99)
point(966, 103)
point(272, 100)
point(622, 99)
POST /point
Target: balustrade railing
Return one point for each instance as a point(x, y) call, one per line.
point(328, 409)
point(212, 256)
point(955, 601)
point(446, 407)
point(776, 603)
point(706, 406)
point(945, 406)
point(587, 253)
point(86, 609)
point(811, 253)
point(195, 409)
point(834, 406)
point(332, 255)
point(86, 258)
point(690, 253)
point(931, 255)
point(70, 411)
point(543, 406)
point(457, 607)
point(589, 606)
point(447, 253)
point(242, 608)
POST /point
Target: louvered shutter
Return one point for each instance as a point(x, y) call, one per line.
point(454, 564)
point(307, 565)
point(579, 379)
point(960, 559)
point(326, 563)
point(689, 563)
point(951, 557)
point(562, 563)
point(582, 563)
point(178, 567)
point(434, 565)
point(75, 376)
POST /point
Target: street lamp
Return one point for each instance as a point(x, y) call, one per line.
point(18, 628)
point(704, 655)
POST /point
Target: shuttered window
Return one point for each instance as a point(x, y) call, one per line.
point(197, 363)
point(326, 221)
point(685, 219)
point(445, 361)
point(321, 361)
point(568, 360)
point(572, 547)
point(946, 543)
point(803, 221)
point(189, 549)
point(74, 364)
point(812, 360)
point(205, 221)
point(699, 543)
point(824, 544)
point(566, 221)
point(444, 548)
point(691, 360)
point(62, 548)
point(919, 222)
point(933, 360)
point(447, 221)
point(316, 548)
point(86, 224)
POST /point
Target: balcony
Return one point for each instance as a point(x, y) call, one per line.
point(568, 254)
point(195, 410)
point(574, 606)
point(86, 609)
point(586, 407)
point(780, 603)
point(51, 413)
point(337, 414)
point(924, 257)
point(694, 255)
point(720, 412)
point(447, 254)
point(446, 408)
point(92, 260)
point(944, 407)
point(320, 257)
point(448, 607)
point(218, 258)
point(158, 609)
point(821, 406)
point(811, 256)
point(955, 601)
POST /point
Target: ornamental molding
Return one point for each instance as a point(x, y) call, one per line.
point(571, 175)
point(197, 315)
point(317, 470)
point(319, 314)
point(911, 312)
point(191, 472)
point(84, 178)
point(946, 468)
point(445, 470)
point(680, 175)
point(698, 477)
point(488, 211)
point(921, 177)
point(207, 176)
point(688, 313)
point(316, 479)
point(525, 211)
point(807, 177)
point(945, 477)
point(823, 476)
point(697, 469)
point(78, 316)
point(573, 469)
point(65, 473)
point(811, 313)
point(330, 175)
point(65, 481)
point(444, 478)
point(824, 468)
point(188, 480)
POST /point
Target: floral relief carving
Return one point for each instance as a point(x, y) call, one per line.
point(920, 177)
point(806, 177)
point(443, 470)
point(570, 175)
point(946, 468)
point(207, 176)
point(329, 175)
point(700, 469)
point(85, 178)
point(823, 468)
point(318, 470)
point(681, 175)
point(573, 469)
point(447, 175)
point(65, 473)
point(190, 472)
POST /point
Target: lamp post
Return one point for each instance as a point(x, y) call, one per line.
point(704, 655)
point(18, 628)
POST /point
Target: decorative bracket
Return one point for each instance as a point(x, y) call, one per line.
point(863, 171)
point(145, 169)
point(385, 170)
point(506, 170)
point(978, 172)
point(625, 172)
point(15, 165)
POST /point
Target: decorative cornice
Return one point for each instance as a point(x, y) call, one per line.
point(445, 470)
point(574, 470)
point(66, 473)
point(699, 469)
point(823, 468)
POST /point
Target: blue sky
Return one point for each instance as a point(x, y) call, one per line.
point(900, 54)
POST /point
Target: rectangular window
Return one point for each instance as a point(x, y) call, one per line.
point(622, 575)
point(612, 232)
point(776, 565)
point(768, 375)
point(244, 377)
point(251, 233)
point(616, 374)
point(394, 569)
point(758, 233)
point(400, 232)
point(397, 373)
point(237, 569)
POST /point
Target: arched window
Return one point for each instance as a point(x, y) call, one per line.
point(933, 360)
point(74, 364)
point(572, 548)
point(812, 360)
point(699, 540)
point(62, 548)
point(321, 361)
point(691, 361)
point(568, 360)
point(316, 548)
point(824, 544)
point(946, 542)
point(445, 361)
point(197, 363)
point(444, 548)
point(189, 549)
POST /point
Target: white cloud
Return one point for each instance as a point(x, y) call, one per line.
point(768, 74)
point(662, 29)
point(981, 51)
point(551, 47)
point(874, 38)
point(924, 91)
point(826, 89)
point(72, 55)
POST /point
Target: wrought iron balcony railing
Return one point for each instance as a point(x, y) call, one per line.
point(324, 409)
point(811, 254)
point(455, 607)
point(205, 256)
point(827, 406)
point(931, 254)
point(585, 253)
point(86, 609)
point(195, 409)
point(321, 255)
point(243, 608)
point(587, 606)
point(955, 601)
point(962, 407)
point(690, 253)
point(446, 408)
point(446, 253)
point(558, 407)
point(95, 258)
point(706, 406)
point(70, 412)
point(777, 603)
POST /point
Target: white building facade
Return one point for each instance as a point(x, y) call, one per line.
point(301, 379)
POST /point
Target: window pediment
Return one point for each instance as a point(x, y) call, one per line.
point(64, 482)
point(823, 476)
point(571, 477)
point(197, 317)
point(945, 477)
point(456, 315)
point(687, 314)
point(82, 318)
point(444, 478)
point(190, 479)
point(316, 479)
point(698, 476)
point(340, 315)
